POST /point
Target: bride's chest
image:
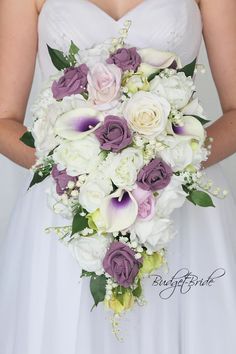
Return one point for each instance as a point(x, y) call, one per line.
point(173, 25)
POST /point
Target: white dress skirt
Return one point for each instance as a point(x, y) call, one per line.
point(45, 305)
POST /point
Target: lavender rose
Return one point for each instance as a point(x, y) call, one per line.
point(61, 178)
point(121, 264)
point(155, 175)
point(114, 134)
point(74, 81)
point(126, 59)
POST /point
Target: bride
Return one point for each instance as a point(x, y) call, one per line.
point(44, 305)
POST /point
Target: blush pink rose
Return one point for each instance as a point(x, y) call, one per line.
point(104, 82)
point(146, 203)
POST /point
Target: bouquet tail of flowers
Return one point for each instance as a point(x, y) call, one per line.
point(120, 134)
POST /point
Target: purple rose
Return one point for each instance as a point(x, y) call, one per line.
point(121, 264)
point(125, 59)
point(155, 175)
point(114, 134)
point(61, 178)
point(74, 81)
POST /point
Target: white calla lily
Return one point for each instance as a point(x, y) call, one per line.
point(77, 123)
point(152, 60)
point(191, 127)
point(193, 108)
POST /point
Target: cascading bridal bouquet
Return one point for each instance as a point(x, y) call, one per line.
point(120, 135)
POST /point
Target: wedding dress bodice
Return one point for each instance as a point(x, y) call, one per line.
point(170, 25)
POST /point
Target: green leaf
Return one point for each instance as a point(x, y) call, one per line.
point(151, 76)
point(138, 291)
point(37, 178)
point(201, 120)
point(79, 223)
point(58, 58)
point(28, 139)
point(104, 154)
point(85, 93)
point(73, 49)
point(72, 52)
point(87, 274)
point(98, 288)
point(186, 190)
point(120, 298)
point(189, 68)
point(200, 198)
point(51, 152)
point(119, 293)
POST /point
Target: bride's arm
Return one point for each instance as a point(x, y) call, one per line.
point(18, 48)
point(219, 31)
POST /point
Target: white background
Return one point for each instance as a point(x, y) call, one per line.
point(12, 176)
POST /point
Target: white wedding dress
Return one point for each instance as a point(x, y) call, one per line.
point(44, 305)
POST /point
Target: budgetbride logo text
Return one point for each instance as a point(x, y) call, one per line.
point(184, 281)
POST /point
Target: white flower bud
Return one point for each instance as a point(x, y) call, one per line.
point(138, 255)
point(74, 193)
point(71, 184)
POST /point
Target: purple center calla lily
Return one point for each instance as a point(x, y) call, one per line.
point(83, 124)
point(77, 122)
point(121, 202)
point(191, 127)
point(178, 129)
point(119, 210)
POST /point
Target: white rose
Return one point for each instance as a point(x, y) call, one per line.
point(44, 136)
point(147, 113)
point(171, 197)
point(179, 154)
point(93, 191)
point(155, 233)
point(79, 156)
point(98, 53)
point(177, 89)
point(90, 251)
point(124, 167)
point(42, 101)
point(43, 127)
